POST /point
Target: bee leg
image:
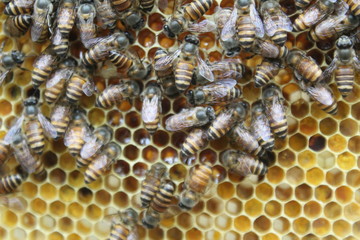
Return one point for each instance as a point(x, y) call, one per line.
point(24, 69)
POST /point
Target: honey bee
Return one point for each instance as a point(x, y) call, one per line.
point(102, 162)
point(159, 204)
point(354, 7)
point(101, 50)
point(24, 156)
point(60, 44)
point(66, 17)
point(16, 26)
point(105, 13)
point(77, 133)
point(197, 183)
point(217, 92)
point(9, 61)
point(275, 110)
point(195, 141)
point(305, 68)
point(35, 125)
point(150, 185)
point(276, 23)
point(260, 126)
point(166, 76)
point(4, 152)
point(80, 82)
point(100, 137)
point(191, 117)
point(133, 19)
point(41, 20)
point(114, 94)
point(266, 71)
point(226, 119)
point(19, 7)
point(147, 5)
point(85, 23)
point(123, 228)
point(44, 64)
point(151, 107)
point(60, 117)
point(189, 55)
point(244, 20)
point(268, 49)
point(344, 65)
point(314, 14)
point(9, 183)
point(242, 163)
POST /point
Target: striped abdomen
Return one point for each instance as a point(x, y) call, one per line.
point(66, 19)
point(152, 126)
point(344, 77)
point(354, 6)
point(163, 197)
point(76, 141)
point(74, 88)
point(243, 139)
point(330, 109)
point(62, 47)
point(247, 164)
point(299, 24)
point(82, 162)
point(280, 37)
point(264, 73)
point(200, 177)
point(149, 187)
point(4, 152)
point(109, 97)
point(119, 232)
point(309, 70)
point(120, 60)
point(218, 128)
point(60, 119)
point(41, 73)
point(12, 8)
point(9, 183)
point(147, 5)
point(53, 93)
point(236, 70)
point(35, 136)
point(196, 9)
point(183, 74)
point(193, 142)
point(278, 127)
point(121, 5)
point(301, 4)
point(21, 22)
point(246, 32)
point(95, 54)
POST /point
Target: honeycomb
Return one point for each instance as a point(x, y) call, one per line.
point(310, 192)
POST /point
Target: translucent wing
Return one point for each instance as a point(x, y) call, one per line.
point(341, 7)
point(23, 3)
point(255, 18)
point(90, 147)
point(283, 22)
point(332, 24)
point(69, 135)
point(229, 29)
point(14, 130)
point(88, 88)
point(311, 16)
point(204, 69)
point(225, 71)
point(3, 76)
point(163, 63)
point(356, 63)
point(220, 88)
point(14, 203)
point(182, 120)
point(101, 162)
point(39, 22)
point(330, 69)
point(60, 74)
point(203, 26)
point(321, 94)
point(67, 15)
point(50, 130)
point(277, 109)
point(150, 109)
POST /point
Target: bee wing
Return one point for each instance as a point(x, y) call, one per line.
point(331, 23)
point(221, 66)
point(229, 29)
point(58, 76)
point(3, 76)
point(330, 69)
point(311, 15)
point(66, 15)
point(184, 119)
point(90, 147)
point(220, 88)
point(204, 69)
point(202, 27)
point(14, 203)
point(278, 109)
point(101, 162)
point(38, 20)
point(14, 130)
point(356, 63)
point(255, 18)
point(149, 110)
point(50, 130)
point(68, 136)
point(88, 88)
point(341, 7)
point(163, 63)
point(271, 26)
point(321, 94)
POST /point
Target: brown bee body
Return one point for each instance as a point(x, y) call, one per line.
point(66, 17)
point(60, 117)
point(40, 20)
point(151, 108)
point(354, 6)
point(19, 7)
point(43, 66)
point(196, 9)
point(34, 134)
point(60, 43)
point(266, 71)
point(246, 32)
point(124, 228)
point(183, 73)
point(344, 77)
point(195, 141)
point(99, 138)
point(165, 77)
point(9, 183)
point(245, 140)
point(106, 14)
point(267, 49)
point(243, 163)
point(16, 26)
point(74, 89)
point(121, 5)
point(121, 61)
point(4, 152)
point(147, 5)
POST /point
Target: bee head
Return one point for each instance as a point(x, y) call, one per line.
point(42, 4)
point(167, 31)
point(106, 132)
point(31, 101)
point(293, 57)
point(78, 113)
point(344, 42)
point(173, 27)
point(86, 8)
point(192, 39)
point(243, 3)
point(134, 86)
point(210, 113)
point(68, 62)
point(129, 217)
point(135, 20)
point(270, 91)
point(159, 169)
point(190, 97)
point(188, 200)
point(227, 157)
point(17, 56)
point(257, 107)
point(241, 110)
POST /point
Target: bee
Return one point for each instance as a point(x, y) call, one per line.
point(56, 83)
point(304, 67)
point(226, 119)
point(9, 61)
point(35, 125)
point(150, 185)
point(114, 94)
point(276, 23)
point(19, 7)
point(100, 137)
point(133, 19)
point(85, 23)
point(4, 152)
point(217, 92)
point(197, 183)
point(41, 20)
point(105, 13)
point(242, 163)
point(16, 26)
point(60, 117)
point(135, 68)
point(44, 64)
point(121, 6)
point(24, 156)
point(77, 133)
point(244, 20)
point(260, 126)
point(159, 204)
point(191, 117)
point(344, 65)
point(80, 82)
point(100, 51)
point(354, 7)
point(66, 17)
point(166, 77)
point(195, 141)
point(123, 228)
point(151, 107)
point(102, 162)
point(9, 183)
point(266, 71)
point(147, 5)
point(275, 110)
point(314, 14)
point(268, 49)
point(189, 55)
point(334, 25)
point(60, 44)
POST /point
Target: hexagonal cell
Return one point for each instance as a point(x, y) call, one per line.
point(312, 209)
point(275, 174)
point(242, 223)
point(262, 224)
point(48, 191)
point(174, 233)
point(307, 159)
point(323, 193)
point(75, 210)
point(341, 228)
point(346, 161)
point(349, 127)
point(281, 225)
point(303, 192)
point(332, 210)
point(337, 143)
point(121, 168)
point(314, 176)
point(28, 220)
point(308, 126)
point(344, 194)
point(273, 208)
point(223, 222)
point(233, 206)
point(93, 212)
point(326, 159)
point(66, 224)
point(317, 142)
point(204, 221)
point(47, 222)
point(244, 190)
point(354, 144)
point(264, 191)
point(355, 111)
point(292, 209)
point(131, 184)
point(353, 178)
point(38, 205)
point(253, 207)
point(57, 208)
point(335, 177)
point(283, 192)
point(215, 205)
point(286, 158)
point(301, 225)
point(194, 234)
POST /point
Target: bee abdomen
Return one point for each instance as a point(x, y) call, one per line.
point(257, 167)
point(12, 9)
point(22, 22)
point(148, 192)
point(196, 9)
point(200, 178)
point(9, 183)
point(246, 32)
point(344, 77)
point(183, 74)
point(52, 94)
point(119, 232)
point(35, 136)
point(120, 60)
point(74, 88)
point(121, 5)
point(163, 197)
point(331, 109)
point(61, 126)
point(151, 127)
point(62, 48)
point(147, 5)
point(354, 6)
point(280, 37)
point(313, 71)
point(217, 129)
point(108, 98)
point(39, 76)
point(279, 128)
point(267, 144)
point(4, 152)
point(299, 24)
point(193, 143)
point(91, 174)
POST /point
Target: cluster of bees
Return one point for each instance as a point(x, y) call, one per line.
point(214, 98)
